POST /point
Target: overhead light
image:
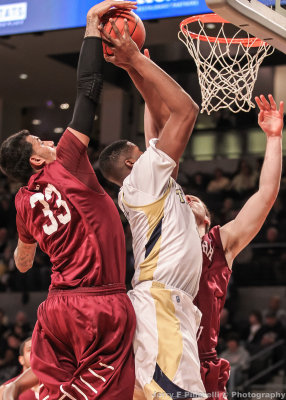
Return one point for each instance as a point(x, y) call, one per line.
point(96, 117)
point(36, 122)
point(58, 130)
point(50, 104)
point(64, 106)
point(23, 76)
point(210, 26)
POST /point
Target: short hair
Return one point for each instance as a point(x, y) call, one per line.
point(257, 315)
point(15, 153)
point(109, 159)
point(22, 346)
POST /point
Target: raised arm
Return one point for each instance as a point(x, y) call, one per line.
point(238, 233)
point(183, 111)
point(89, 71)
point(156, 113)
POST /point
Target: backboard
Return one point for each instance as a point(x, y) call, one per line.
point(265, 19)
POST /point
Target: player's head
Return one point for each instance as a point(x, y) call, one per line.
point(116, 160)
point(201, 212)
point(22, 154)
point(25, 353)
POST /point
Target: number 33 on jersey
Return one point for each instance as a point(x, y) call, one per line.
point(53, 220)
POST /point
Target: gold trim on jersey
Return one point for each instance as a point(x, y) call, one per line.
point(170, 340)
point(154, 213)
point(150, 391)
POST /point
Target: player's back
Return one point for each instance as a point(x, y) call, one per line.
point(77, 226)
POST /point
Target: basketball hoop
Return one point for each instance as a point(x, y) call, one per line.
point(227, 66)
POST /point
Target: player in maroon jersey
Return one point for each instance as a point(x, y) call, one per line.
point(222, 244)
point(24, 360)
point(82, 342)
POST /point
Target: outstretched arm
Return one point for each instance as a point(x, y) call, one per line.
point(183, 111)
point(238, 233)
point(89, 71)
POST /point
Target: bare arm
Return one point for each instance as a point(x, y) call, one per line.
point(24, 255)
point(238, 233)
point(24, 382)
point(183, 111)
point(156, 112)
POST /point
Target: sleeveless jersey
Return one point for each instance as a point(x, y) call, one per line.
point(166, 243)
point(78, 226)
point(212, 292)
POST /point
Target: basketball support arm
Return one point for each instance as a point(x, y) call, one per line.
point(89, 84)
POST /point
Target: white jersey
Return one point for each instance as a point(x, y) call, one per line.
point(166, 243)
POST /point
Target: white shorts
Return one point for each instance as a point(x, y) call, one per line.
point(167, 363)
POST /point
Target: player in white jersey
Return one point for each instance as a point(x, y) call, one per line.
point(166, 244)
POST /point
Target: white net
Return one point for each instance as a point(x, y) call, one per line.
point(227, 68)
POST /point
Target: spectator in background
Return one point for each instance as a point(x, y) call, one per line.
point(218, 183)
point(198, 184)
point(11, 350)
point(237, 356)
point(228, 211)
point(245, 180)
point(274, 307)
point(254, 332)
point(273, 330)
point(24, 360)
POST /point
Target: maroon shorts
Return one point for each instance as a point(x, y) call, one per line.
point(82, 344)
point(215, 374)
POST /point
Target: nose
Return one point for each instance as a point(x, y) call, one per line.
point(49, 143)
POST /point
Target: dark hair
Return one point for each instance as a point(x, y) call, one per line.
point(257, 315)
point(22, 346)
point(109, 159)
point(15, 156)
point(233, 336)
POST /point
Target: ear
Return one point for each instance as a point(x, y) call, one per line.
point(21, 360)
point(37, 162)
point(207, 222)
point(129, 163)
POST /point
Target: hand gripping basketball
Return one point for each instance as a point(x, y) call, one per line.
point(135, 25)
point(123, 48)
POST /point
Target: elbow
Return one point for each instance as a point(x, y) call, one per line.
point(22, 267)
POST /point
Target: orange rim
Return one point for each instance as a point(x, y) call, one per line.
point(214, 18)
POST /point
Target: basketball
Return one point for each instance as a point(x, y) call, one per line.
point(135, 25)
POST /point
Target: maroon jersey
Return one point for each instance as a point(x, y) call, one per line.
point(75, 222)
point(212, 292)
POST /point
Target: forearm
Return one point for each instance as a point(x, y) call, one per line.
point(156, 112)
point(24, 382)
point(172, 95)
point(24, 256)
point(269, 182)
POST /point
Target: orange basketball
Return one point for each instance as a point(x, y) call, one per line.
point(136, 27)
